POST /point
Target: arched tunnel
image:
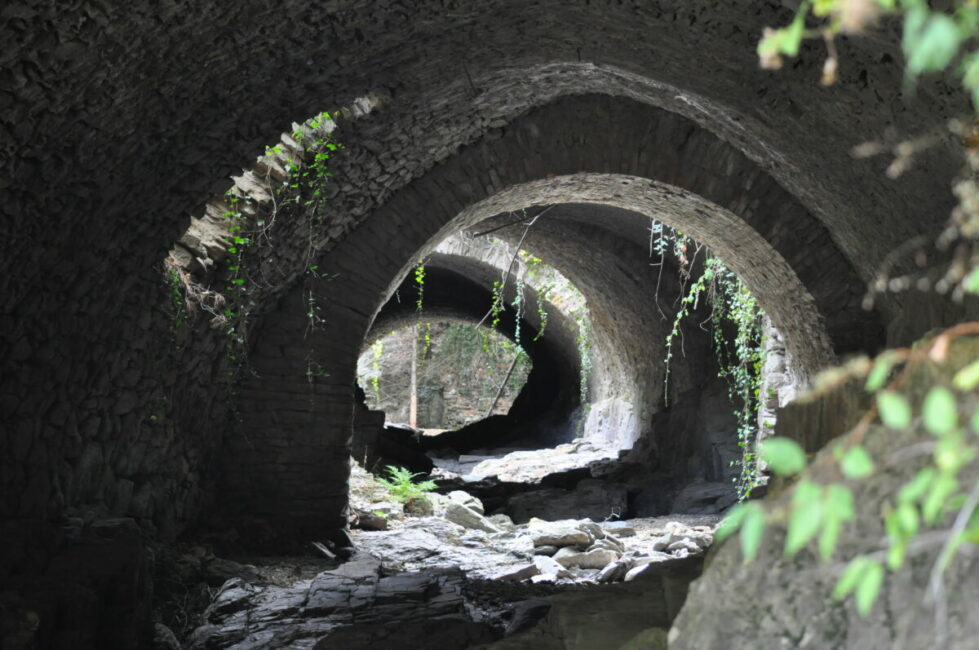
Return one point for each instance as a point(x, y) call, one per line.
point(461, 289)
point(179, 350)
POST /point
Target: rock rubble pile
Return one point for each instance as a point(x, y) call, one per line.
point(458, 535)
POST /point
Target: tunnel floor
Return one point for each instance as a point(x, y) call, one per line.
point(374, 597)
point(450, 573)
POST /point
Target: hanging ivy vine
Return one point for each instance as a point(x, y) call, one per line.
point(420, 285)
point(377, 351)
point(735, 323)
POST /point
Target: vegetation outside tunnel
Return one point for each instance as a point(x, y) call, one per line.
point(461, 370)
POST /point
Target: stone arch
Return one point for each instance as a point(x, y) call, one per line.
point(413, 220)
point(782, 294)
point(461, 289)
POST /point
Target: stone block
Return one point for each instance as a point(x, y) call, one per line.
point(469, 518)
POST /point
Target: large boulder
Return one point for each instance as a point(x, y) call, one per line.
point(597, 558)
point(550, 566)
point(466, 499)
point(469, 518)
point(436, 543)
point(559, 534)
point(676, 535)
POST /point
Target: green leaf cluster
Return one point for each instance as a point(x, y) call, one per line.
point(818, 512)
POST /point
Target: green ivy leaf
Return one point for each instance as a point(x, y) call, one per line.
point(823, 7)
point(971, 282)
point(970, 79)
point(850, 578)
point(792, 35)
point(901, 525)
point(893, 526)
point(783, 41)
point(951, 453)
point(857, 463)
point(869, 587)
point(806, 517)
point(967, 378)
point(895, 411)
point(934, 47)
point(896, 554)
point(907, 517)
point(829, 537)
point(839, 502)
point(731, 522)
point(881, 370)
point(752, 529)
point(917, 487)
point(939, 411)
point(933, 506)
point(784, 456)
point(914, 20)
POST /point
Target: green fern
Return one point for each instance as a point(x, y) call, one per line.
point(401, 486)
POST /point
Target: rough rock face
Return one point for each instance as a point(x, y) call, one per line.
point(350, 607)
point(703, 497)
point(790, 603)
point(591, 498)
point(610, 616)
point(360, 606)
point(559, 533)
point(780, 383)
